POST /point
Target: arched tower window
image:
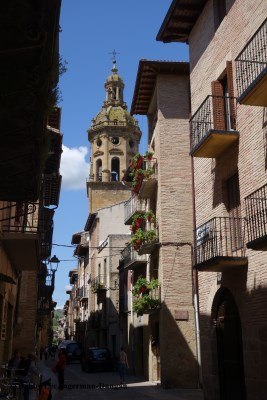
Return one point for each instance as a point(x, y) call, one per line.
point(115, 169)
point(99, 170)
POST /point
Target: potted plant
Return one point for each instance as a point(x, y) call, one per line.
point(144, 301)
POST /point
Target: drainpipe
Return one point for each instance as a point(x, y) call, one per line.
point(195, 282)
point(132, 327)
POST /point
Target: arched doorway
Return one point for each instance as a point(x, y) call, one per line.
point(115, 169)
point(229, 347)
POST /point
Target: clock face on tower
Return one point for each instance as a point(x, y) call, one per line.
point(115, 140)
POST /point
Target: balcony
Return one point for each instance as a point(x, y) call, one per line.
point(29, 67)
point(213, 127)
point(133, 206)
point(251, 70)
point(256, 218)
point(45, 226)
point(144, 238)
point(19, 234)
point(142, 175)
point(98, 284)
point(51, 189)
point(132, 259)
point(220, 245)
point(150, 178)
point(146, 296)
point(82, 293)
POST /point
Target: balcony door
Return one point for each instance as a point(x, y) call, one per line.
point(229, 349)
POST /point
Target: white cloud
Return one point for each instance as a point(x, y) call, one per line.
point(74, 168)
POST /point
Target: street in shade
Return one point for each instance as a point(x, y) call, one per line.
point(106, 385)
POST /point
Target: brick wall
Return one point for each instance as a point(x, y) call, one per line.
point(175, 219)
point(209, 52)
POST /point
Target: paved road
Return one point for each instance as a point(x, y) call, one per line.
point(82, 385)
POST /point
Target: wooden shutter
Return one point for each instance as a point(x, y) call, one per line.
point(230, 83)
point(218, 106)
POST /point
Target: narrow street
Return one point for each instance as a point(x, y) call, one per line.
point(81, 385)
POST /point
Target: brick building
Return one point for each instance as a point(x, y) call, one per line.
point(161, 215)
point(227, 45)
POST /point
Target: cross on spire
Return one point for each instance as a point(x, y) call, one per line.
point(113, 58)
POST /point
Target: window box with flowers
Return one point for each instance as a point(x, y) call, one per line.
point(141, 167)
point(146, 296)
point(141, 235)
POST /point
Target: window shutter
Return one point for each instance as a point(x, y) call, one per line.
point(230, 83)
point(218, 105)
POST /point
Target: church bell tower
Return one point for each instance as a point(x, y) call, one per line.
point(114, 137)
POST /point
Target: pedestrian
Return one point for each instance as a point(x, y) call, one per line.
point(60, 367)
point(123, 363)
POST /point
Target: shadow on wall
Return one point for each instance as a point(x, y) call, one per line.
point(234, 340)
point(211, 15)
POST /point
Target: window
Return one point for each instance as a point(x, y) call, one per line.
point(115, 169)
point(99, 170)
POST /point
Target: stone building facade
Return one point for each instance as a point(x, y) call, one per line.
point(227, 45)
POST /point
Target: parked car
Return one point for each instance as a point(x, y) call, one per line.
point(96, 359)
point(72, 349)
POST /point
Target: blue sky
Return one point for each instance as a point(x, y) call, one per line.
point(90, 31)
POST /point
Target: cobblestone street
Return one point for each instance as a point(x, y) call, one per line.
point(80, 385)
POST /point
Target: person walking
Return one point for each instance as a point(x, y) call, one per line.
point(123, 363)
point(60, 367)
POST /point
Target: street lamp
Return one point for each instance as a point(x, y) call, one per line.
point(54, 261)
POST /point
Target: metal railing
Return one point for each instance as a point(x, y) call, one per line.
point(215, 113)
point(251, 63)
point(256, 214)
point(20, 217)
point(81, 292)
point(110, 123)
point(129, 256)
point(134, 204)
point(220, 237)
point(99, 283)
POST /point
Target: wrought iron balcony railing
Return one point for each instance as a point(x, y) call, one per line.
point(81, 293)
point(132, 259)
point(99, 283)
point(132, 206)
point(220, 244)
point(213, 127)
point(20, 217)
point(256, 218)
point(251, 70)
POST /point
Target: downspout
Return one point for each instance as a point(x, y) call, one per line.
point(195, 282)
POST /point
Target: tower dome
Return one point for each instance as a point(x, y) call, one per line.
point(114, 135)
